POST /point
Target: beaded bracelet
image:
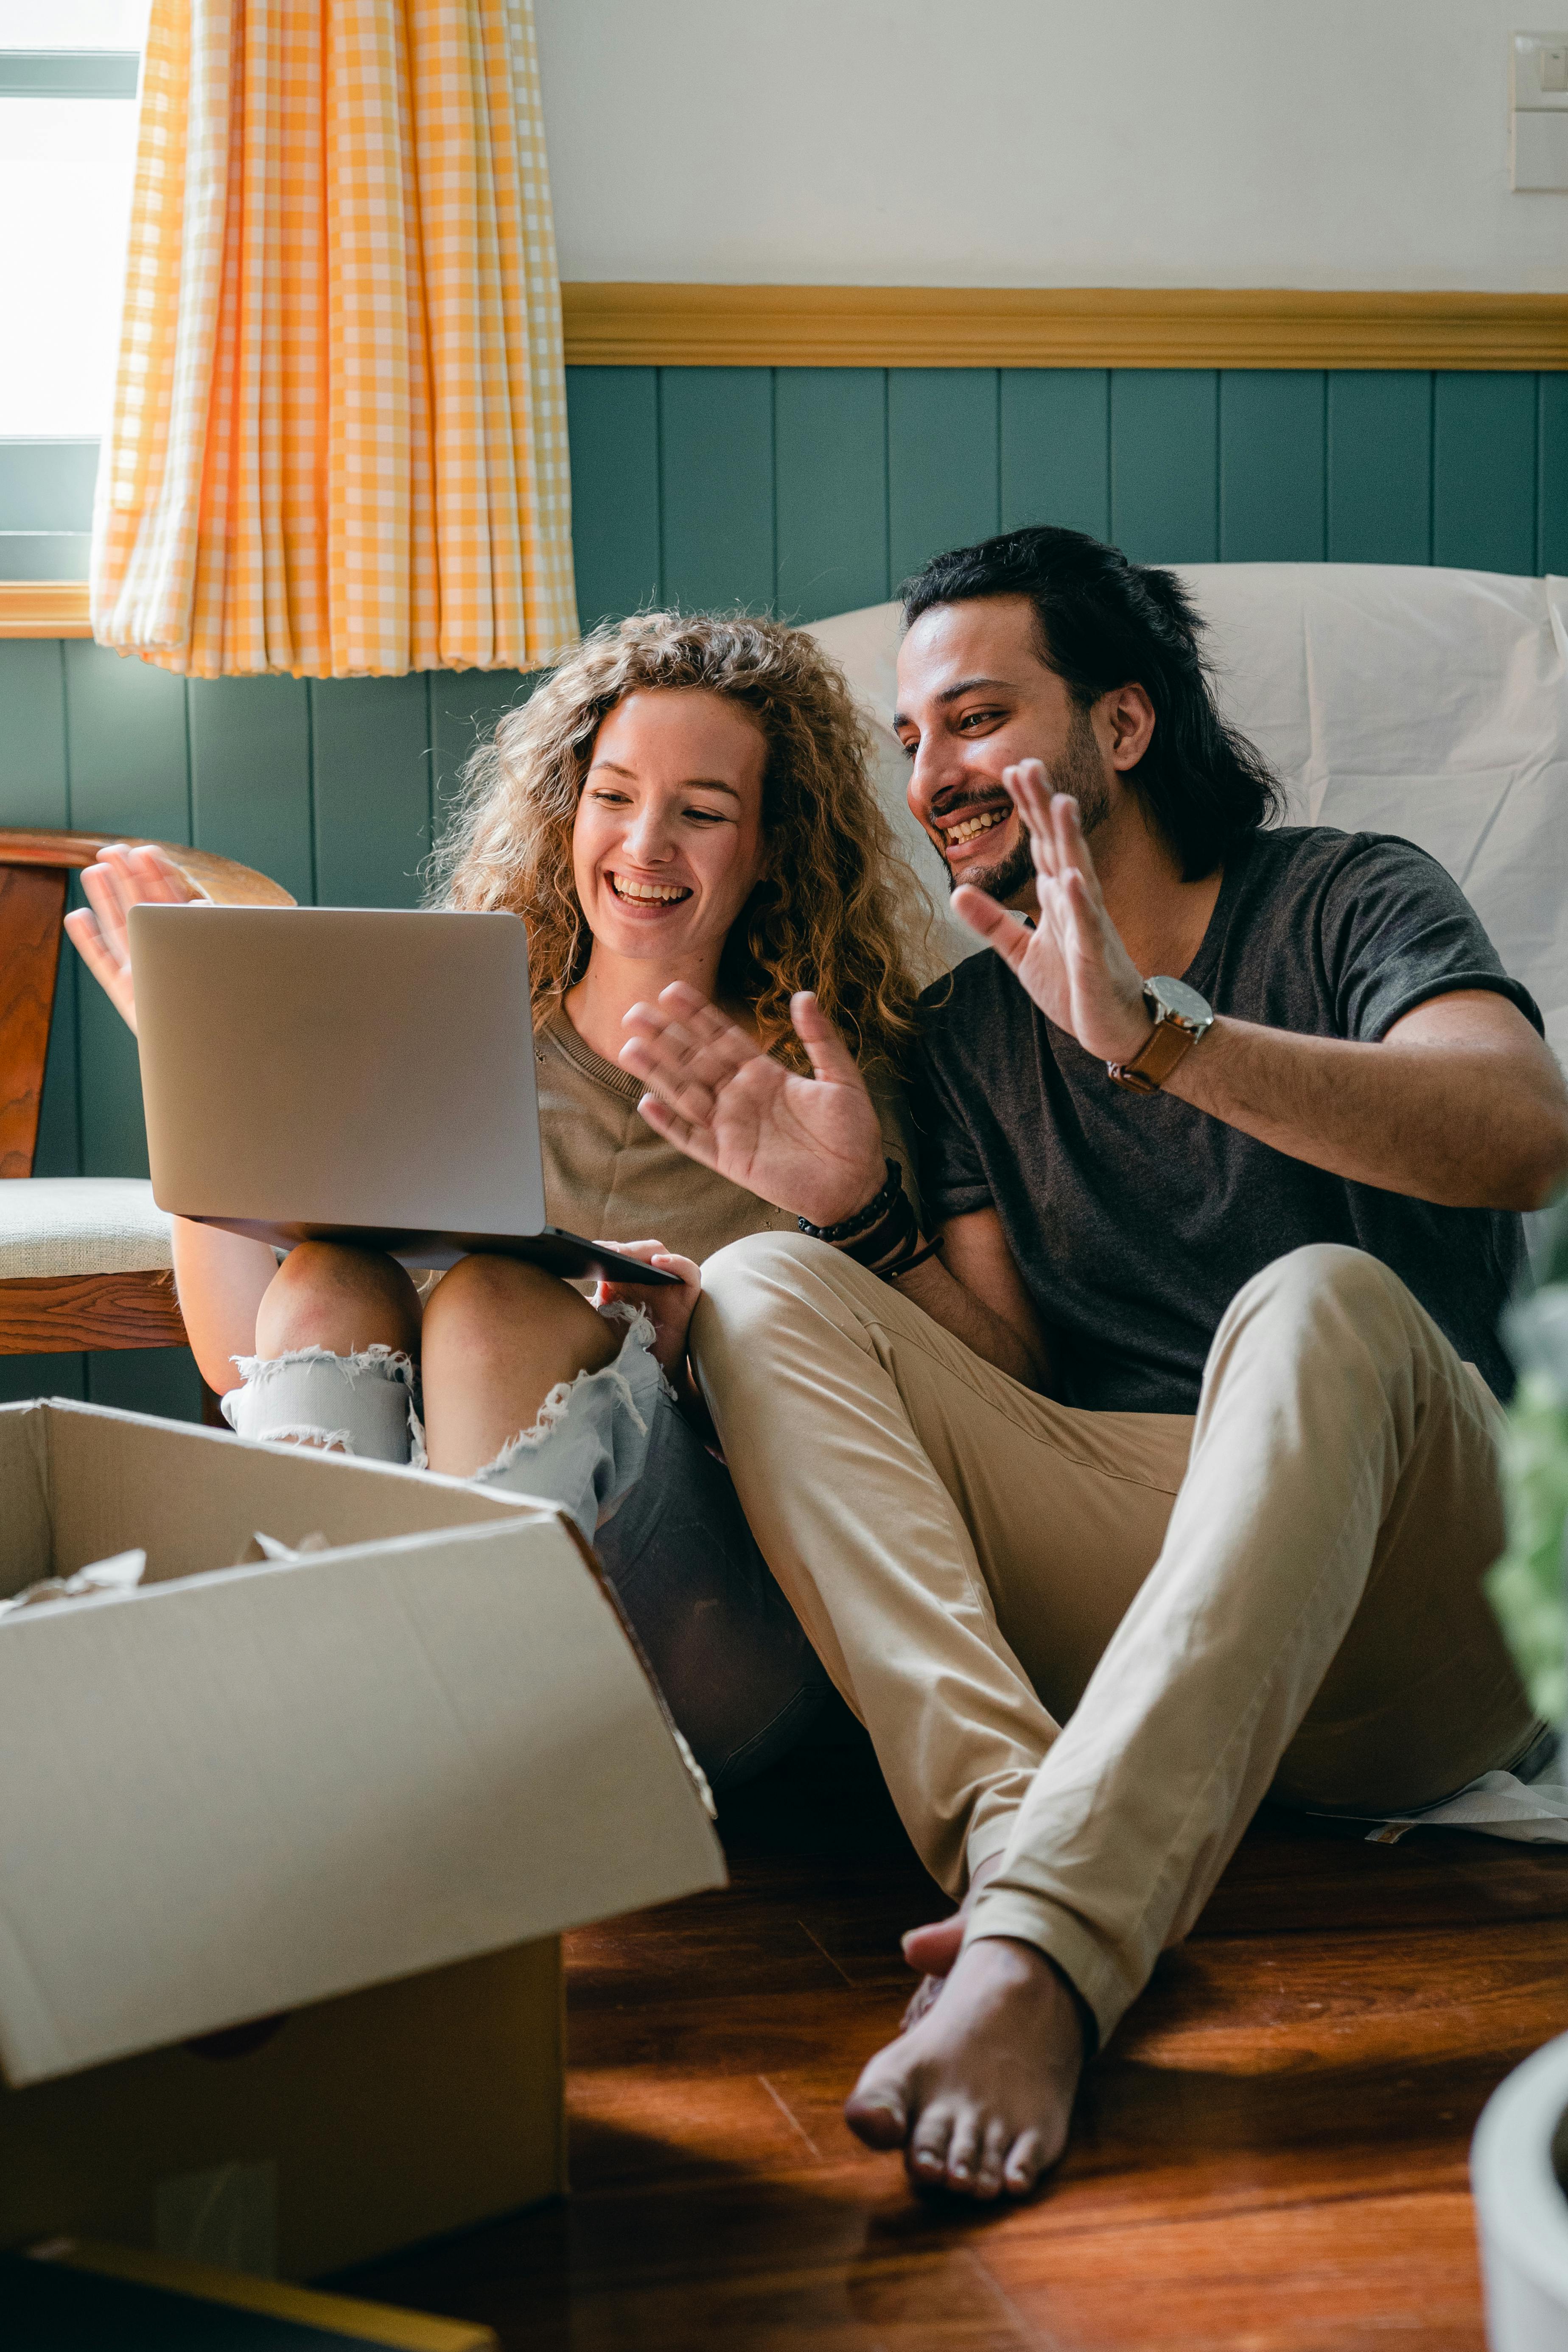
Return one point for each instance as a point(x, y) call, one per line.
point(875, 1210)
point(895, 1230)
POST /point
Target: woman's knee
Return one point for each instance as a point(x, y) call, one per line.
point(488, 1303)
point(345, 1300)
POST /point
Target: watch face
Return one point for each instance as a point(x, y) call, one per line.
point(1174, 997)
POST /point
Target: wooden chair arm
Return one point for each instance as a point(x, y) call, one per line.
point(229, 884)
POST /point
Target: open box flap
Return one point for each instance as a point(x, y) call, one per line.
point(201, 1494)
point(253, 1789)
point(26, 1553)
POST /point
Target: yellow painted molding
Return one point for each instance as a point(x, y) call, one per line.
point(44, 608)
point(644, 325)
point(964, 326)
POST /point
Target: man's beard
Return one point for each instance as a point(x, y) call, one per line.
point(1078, 771)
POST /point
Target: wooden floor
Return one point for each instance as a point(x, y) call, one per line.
point(1271, 2155)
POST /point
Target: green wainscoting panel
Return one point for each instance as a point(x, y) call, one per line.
point(113, 1139)
point(250, 775)
point(33, 777)
point(146, 1380)
point(716, 478)
point(1271, 466)
point(1164, 464)
point(612, 418)
point(1552, 521)
point(1483, 472)
point(830, 473)
point(943, 462)
point(1055, 426)
point(1379, 444)
point(52, 1376)
point(464, 707)
point(127, 727)
point(373, 785)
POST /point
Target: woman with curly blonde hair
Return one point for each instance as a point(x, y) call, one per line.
point(683, 800)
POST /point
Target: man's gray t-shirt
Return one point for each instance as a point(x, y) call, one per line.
point(1135, 1219)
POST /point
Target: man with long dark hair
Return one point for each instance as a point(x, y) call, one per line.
point(1162, 1474)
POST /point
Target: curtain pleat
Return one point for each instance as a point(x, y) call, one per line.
point(339, 445)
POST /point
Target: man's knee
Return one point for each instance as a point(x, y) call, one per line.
point(766, 1261)
point(1329, 1290)
point(766, 1286)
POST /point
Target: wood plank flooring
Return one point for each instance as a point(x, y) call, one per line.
point(1271, 2158)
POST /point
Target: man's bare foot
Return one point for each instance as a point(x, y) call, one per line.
point(979, 2092)
point(933, 1948)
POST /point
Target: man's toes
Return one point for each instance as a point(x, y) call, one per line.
point(1025, 2158)
point(927, 2154)
point(876, 2110)
point(963, 2153)
point(933, 1949)
point(993, 2159)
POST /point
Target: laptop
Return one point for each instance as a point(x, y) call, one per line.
point(349, 1075)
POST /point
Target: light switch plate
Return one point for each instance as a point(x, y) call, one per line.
point(1538, 110)
point(1539, 81)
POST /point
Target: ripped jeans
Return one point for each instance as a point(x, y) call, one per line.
point(615, 1451)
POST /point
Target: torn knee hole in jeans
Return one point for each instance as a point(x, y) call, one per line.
point(553, 1412)
point(305, 1433)
point(386, 1363)
point(360, 1403)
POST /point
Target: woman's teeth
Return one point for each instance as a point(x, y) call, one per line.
point(973, 824)
point(662, 893)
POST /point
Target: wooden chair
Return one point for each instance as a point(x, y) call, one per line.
point(85, 1262)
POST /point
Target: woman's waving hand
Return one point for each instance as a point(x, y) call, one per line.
point(122, 879)
point(810, 1145)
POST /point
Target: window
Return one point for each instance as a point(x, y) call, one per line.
point(67, 144)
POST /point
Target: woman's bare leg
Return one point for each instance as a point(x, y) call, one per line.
point(346, 1300)
point(336, 1334)
point(499, 1334)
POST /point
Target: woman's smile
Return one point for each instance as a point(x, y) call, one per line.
point(634, 890)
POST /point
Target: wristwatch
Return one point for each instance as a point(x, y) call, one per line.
point(1181, 1017)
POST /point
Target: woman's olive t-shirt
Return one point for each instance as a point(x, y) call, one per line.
point(609, 1177)
point(1135, 1219)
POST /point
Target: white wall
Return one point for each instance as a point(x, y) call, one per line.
point(1041, 143)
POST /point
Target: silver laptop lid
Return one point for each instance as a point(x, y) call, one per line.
point(325, 1066)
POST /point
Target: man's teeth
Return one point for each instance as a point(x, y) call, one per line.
point(973, 824)
point(666, 893)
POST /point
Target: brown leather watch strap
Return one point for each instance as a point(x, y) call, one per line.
point(1146, 1073)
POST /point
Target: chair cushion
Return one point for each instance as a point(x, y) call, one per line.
point(53, 1225)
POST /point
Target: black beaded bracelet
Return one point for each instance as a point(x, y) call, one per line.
point(847, 1228)
point(896, 1229)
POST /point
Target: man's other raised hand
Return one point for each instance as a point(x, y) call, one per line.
point(1072, 963)
point(809, 1145)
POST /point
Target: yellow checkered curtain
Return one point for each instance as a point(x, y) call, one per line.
point(338, 445)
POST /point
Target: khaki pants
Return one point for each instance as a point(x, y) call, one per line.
point(1280, 1596)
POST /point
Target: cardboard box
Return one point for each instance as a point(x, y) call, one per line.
point(285, 1845)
